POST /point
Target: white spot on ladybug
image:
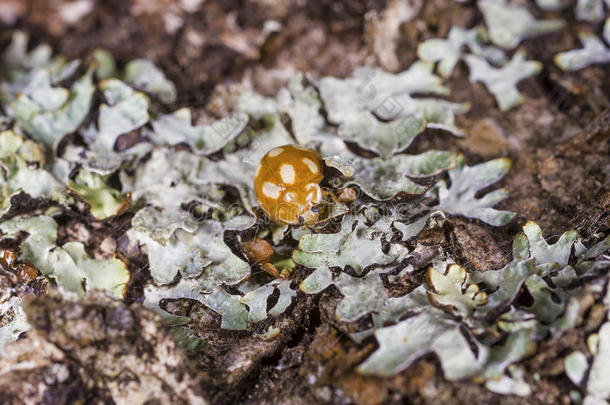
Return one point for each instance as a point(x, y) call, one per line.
point(311, 164)
point(276, 151)
point(290, 196)
point(314, 193)
point(271, 190)
point(287, 173)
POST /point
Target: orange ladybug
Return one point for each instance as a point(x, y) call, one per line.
point(287, 184)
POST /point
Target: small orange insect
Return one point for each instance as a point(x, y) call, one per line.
point(287, 184)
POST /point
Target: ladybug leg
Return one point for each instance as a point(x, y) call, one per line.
point(326, 192)
point(346, 195)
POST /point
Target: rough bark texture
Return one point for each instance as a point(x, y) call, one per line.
point(96, 351)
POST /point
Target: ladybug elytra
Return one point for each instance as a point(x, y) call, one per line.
point(287, 184)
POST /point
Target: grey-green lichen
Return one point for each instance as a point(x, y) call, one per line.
point(502, 82)
point(457, 311)
point(590, 10)
point(510, 23)
point(188, 184)
point(447, 52)
point(594, 51)
point(14, 322)
point(69, 265)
